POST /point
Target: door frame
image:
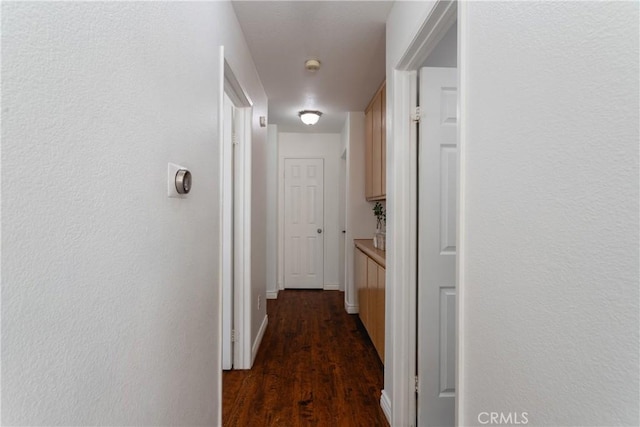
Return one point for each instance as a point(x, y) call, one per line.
point(402, 250)
point(241, 198)
point(227, 232)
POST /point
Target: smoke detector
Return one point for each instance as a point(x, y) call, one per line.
point(312, 65)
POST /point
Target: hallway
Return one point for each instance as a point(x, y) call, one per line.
point(316, 366)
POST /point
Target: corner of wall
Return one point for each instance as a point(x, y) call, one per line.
point(360, 222)
point(258, 340)
point(351, 308)
point(272, 212)
point(385, 404)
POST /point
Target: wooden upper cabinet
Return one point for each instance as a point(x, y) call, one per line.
point(384, 140)
point(375, 147)
point(368, 131)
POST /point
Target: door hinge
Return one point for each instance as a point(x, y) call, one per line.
point(233, 335)
point(416, 381)
point(416, 114)
point(234, 138)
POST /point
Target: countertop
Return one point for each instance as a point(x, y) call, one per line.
point(366, 246)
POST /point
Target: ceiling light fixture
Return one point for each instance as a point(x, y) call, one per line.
point(309, 117)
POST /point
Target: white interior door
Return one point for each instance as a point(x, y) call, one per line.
point(227, 233)
point(437, 171)
point(303, 223)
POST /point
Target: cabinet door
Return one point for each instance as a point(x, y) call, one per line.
point(372, 290)
point(383, 133)
point(368, 148)
point(360, 277)
point(376, 153)
point(380, 310)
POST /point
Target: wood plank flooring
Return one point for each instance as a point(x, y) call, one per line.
point(316, 367)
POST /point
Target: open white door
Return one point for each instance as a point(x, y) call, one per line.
point(303, 223)
point(437, 170)
point(227, 233)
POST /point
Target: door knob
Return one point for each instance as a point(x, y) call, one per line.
point(319, 230)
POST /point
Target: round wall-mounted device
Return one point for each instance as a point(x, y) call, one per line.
point(183, 181)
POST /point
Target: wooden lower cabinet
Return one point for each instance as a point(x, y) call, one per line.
point(372, 301)
point(380, 307)
point(370, 283)
point(360, 262)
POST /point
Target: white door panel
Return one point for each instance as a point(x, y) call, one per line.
point(227, 234)
point(437, 170)
point(303, 223)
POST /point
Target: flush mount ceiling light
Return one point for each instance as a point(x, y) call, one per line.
point(309, 117)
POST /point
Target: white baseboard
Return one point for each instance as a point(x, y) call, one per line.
point(272, 294)
point(256, 343)
point(351, 308)
point(332, 286)
point(385, 404)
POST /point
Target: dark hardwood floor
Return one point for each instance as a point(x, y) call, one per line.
point(316, 367)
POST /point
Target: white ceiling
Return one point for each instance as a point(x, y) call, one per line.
point(348, 37)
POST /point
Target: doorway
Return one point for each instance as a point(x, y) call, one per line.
point(423, 348)
point(235, 221)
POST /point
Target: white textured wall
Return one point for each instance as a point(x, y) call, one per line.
point(259, 216)
point(272, 211)
point(314, 145)
point(404, 21)
point(361, 223)
point(109, 288)
point(550, 249)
